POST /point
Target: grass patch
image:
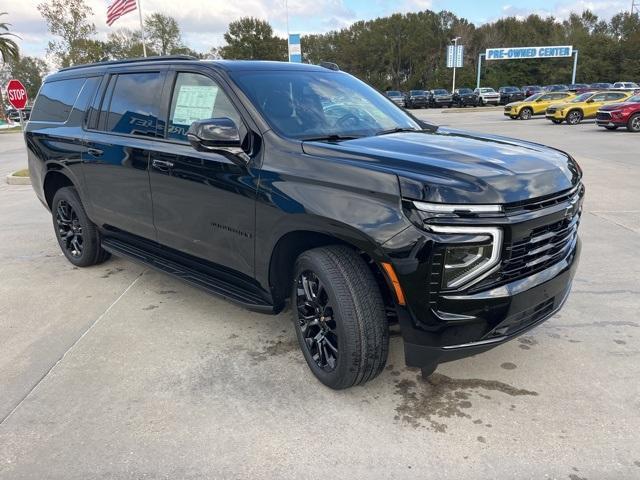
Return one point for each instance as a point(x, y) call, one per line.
point(21, 173)
point(10, 130)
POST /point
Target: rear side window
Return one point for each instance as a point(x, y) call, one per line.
point(133, 106)
point(56, 99)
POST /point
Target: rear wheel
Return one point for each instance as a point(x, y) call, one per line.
point(77, 236)
point(574, 117)
point(633, 125)
point(525, 114)
point(339, 317)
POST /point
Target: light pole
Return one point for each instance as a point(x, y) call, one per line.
point(455, 60)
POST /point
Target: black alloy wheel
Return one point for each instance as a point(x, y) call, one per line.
point(77, 235)
point(339, 316)
point(317, 321)
point(69, 229)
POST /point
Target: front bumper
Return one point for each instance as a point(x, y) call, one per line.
point(513, 308)
point(554, 115)
point(611, 122)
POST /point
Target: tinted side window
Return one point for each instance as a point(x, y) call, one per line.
point(600, 97)
point(56, 99)
point(87, 92)
point(134, 108)
point(197, 97)
point(615, 96)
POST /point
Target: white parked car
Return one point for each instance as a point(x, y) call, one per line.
point(625, 86)
point(486, 95)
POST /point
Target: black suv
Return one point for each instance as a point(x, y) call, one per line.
point(463, 97)
point(510, 94)
point(417, 99)
point(271, 184)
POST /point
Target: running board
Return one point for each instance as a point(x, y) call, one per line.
point(215, 281)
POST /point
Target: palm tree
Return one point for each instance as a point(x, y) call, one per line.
point(8, 51)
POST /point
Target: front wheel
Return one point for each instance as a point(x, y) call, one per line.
point(77, 236)
point(525, 114)
point(633, 125)
point(339, 317)
point(574, 117)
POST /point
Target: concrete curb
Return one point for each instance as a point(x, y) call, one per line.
point(13, 180)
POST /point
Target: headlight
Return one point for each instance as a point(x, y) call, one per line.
point(467, 261)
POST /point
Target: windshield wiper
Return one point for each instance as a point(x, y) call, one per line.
point(397, 129)
point(330, 138)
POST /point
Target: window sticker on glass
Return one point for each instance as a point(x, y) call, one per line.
point(195, 102)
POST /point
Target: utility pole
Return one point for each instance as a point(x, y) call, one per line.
point(455, 60)
point(634, 6)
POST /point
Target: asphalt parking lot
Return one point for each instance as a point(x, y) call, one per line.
point(117, 371)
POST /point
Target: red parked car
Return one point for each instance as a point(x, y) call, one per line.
point(616, 115)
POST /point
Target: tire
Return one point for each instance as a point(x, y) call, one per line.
point(613, 127)
point(574, 117)
point(335, 283)
point(633, 125)
point(556, 121)
point(78, 237)
point(525, 114)
point(513, 117)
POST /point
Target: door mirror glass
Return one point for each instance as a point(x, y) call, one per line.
point(214, 134)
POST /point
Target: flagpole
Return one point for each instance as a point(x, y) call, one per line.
point(144, 40)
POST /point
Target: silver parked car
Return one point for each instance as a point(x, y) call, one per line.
point(397, 97)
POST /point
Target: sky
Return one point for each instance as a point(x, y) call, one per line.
point(203, 22)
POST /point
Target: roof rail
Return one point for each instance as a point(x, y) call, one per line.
point(160, 58)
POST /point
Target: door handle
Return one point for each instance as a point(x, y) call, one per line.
point(95, 152)
point(162, 164)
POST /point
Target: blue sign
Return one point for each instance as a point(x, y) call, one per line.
point(516, 53)
point(295, 50)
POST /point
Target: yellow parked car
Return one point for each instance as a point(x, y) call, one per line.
point(583, 106)
point(536, 104)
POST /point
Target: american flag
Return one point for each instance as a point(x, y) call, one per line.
point(118, 8)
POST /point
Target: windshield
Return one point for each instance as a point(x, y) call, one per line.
point(416, 92)
point(533, 97)
point(312, 104)
point(582, 98)
point(440, 91)
point(465, 90)
point(394, 93)
point(634, 99)
point(487, 90)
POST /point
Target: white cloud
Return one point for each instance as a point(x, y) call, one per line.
point(604, 9)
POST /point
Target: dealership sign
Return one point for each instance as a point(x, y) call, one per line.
point(516, 53)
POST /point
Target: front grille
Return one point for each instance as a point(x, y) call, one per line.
point(507, 109)
point(543, 247)
point(603, 116)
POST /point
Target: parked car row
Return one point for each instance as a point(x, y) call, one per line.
point(13, 114)
point(612, 108)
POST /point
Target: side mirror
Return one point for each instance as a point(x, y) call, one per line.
point(220, 135)
point(590, 100)
point(213, 134)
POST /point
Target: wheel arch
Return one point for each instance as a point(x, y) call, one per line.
point(291, 244)
point(54, 180)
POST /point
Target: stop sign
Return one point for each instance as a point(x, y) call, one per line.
point(17, 94)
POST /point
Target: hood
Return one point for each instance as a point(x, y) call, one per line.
point(615, 106)
point(461, 167)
